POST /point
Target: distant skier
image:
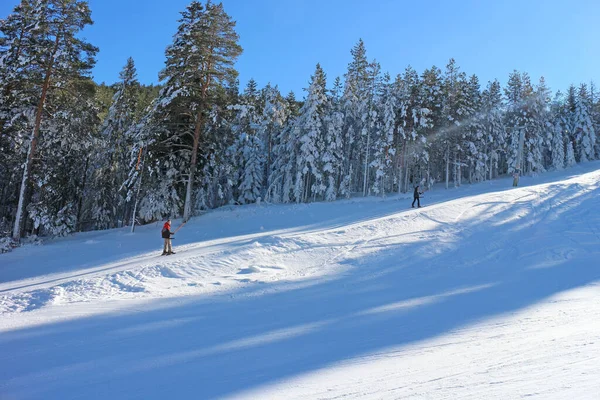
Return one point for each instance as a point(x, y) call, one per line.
point(416, 197)
point(166, 234)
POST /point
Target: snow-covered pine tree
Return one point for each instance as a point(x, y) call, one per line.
point(61, 177)
point(272, 120)
point(538, 126)
point(493, 126)
point(414, 119)
point(570, 109)
point(474, 137)
point(542, 105)
point(214, 188)
point(355, 106)
point(454, 113)
point(558, 134)
point(50, 58)
point(112, 162)
point(252, 150)
point(17, 104)
point(245, 127)
point(384, 138)
point(371, 123)
point(310, 130)
point(583, 128)
point(595, 116)
point(285, 149)
point(334, 152)
point(293, 105)
point(518, 121)
point(199, 61)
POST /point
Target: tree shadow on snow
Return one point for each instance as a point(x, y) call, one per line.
point(401, 294)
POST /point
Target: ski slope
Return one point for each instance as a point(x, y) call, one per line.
point(487, 292)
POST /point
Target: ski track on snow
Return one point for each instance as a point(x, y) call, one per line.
point(365, 264)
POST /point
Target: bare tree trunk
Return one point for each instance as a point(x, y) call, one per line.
point(447, 166)
point(365, 182)
point(519, 158)
point(459, 167)
point(135, 204)
point(187, 209)
point(80, 200)
point(19, 220)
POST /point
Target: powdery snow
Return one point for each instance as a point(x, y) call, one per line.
point(487, 292)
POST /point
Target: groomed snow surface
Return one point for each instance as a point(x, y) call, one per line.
point(488, 292)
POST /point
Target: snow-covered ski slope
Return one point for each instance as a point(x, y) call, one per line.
point(488, 292)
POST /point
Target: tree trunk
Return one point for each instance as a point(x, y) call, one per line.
point(187, 209)
point(459, 172)
point(19, 220)
point(82, 188)
point(135, 204)
point(519, 158)
point(365, 182)
point(447, 166)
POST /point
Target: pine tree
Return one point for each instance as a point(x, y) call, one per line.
point(310, 131)
point(570, 109)
point(474, 135)
point(355, 102)
point(283, 171)
point(493, 126)
point(538, 128)
point(332, 157)
point(519, 122)
point(112, 164)
point(454, 112)
point(16, 102)
point(199, 61)
point(61, 176)
point(594, 101)
point(383, 146)
point(54, 57)
point(272, 120)
point(583, 128)
point(558, 146)
point(415, 101)
point(248, 162)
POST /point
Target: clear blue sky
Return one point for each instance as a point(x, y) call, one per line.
point(284, 39)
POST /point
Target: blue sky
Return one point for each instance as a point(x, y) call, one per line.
point(284, 39)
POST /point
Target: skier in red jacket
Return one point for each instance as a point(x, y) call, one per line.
point(166, 234)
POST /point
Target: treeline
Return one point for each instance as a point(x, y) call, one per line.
point(81, 156)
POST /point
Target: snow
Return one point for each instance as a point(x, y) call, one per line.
point(487, 292)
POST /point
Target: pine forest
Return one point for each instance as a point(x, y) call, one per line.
point(76, 155)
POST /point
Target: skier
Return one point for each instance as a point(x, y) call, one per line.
point(166, 234)
point(416, 197)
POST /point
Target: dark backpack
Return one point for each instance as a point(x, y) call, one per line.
point(166, 234)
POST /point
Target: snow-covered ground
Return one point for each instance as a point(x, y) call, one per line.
point(487, 292)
